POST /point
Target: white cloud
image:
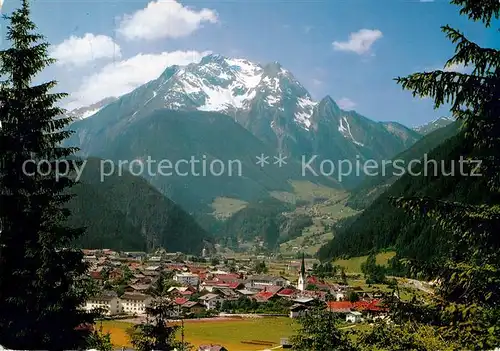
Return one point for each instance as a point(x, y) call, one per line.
point(426, 0)
point(359, 42)
point(164, 19)
point(346, 103)
point(317, 82)
point(459, 68)
point(116, 79)
point(78, 51)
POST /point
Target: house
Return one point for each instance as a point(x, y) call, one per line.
point(134, 303)
point(353, 317)
point(212, 348)
point(339, 295)
point(192, 307)
point(107, 301)
point(181, 289)
point(340, 306)
point(97, 275)
point(246, 292)
point(227, 293)
point(287, 293)
point(212, 285)
point(304, 300)
point(267, 280)
point(210, 301)
point(178, 302)
point(372, 307)
point(187, 278)
point(265, 295)
point(227, 278)
point(115, 274)
point(137, 288)
point(298, 310)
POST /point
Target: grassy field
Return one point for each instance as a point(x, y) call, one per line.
point(227, 333)
point(353, 265)
point(305, 190)
point(225, 207)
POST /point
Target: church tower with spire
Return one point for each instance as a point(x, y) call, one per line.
point(302, 276)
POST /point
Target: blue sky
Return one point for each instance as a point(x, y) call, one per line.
point(396, 38)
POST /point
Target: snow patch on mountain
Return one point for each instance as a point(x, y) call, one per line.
point(89, 113)
point(345, 130)
point(434, 125)
point(305, 107)
point(154, 95)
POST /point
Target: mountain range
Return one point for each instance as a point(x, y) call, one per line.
point(433, 125)
point(269, 102)
point(235, 108)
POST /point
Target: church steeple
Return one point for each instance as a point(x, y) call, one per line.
point(302, 276)
point(303, 267)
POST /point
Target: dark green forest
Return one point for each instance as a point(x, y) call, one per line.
point(382, 226)
point(125, 212)
point(372, 187)
point(266, 220)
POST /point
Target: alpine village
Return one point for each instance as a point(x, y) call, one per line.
point(190, 193)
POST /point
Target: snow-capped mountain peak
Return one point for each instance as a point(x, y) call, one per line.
point(232, 86)
point(266, 99)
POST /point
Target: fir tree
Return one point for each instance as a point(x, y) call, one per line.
point(465, 313)
point(319, 331)
point(42, 284)
point(155, 334)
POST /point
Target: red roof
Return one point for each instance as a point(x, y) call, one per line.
point(340, 306)
point(95, 275)
point(187, 292)
point(227, 277)
point(287, 292)
point(373, 305)
point(318, 282)
point(312, 280)
point(180, 301)
point(264, 295)
point(215, 284)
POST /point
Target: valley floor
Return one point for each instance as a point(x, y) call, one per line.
point(238, 334)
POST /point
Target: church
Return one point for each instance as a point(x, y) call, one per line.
point(301, 285)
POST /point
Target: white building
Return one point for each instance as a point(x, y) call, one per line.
point(187, 278)
point(301, 284)
point(108, 302)
point(339, 296)
point(210, 301)
point(297, 311)
point(353, 317)
point(133, 303)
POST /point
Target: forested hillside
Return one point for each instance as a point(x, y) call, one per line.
point(269, 220)
point(125, 212)
point(383, 226)
point(373, 186)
